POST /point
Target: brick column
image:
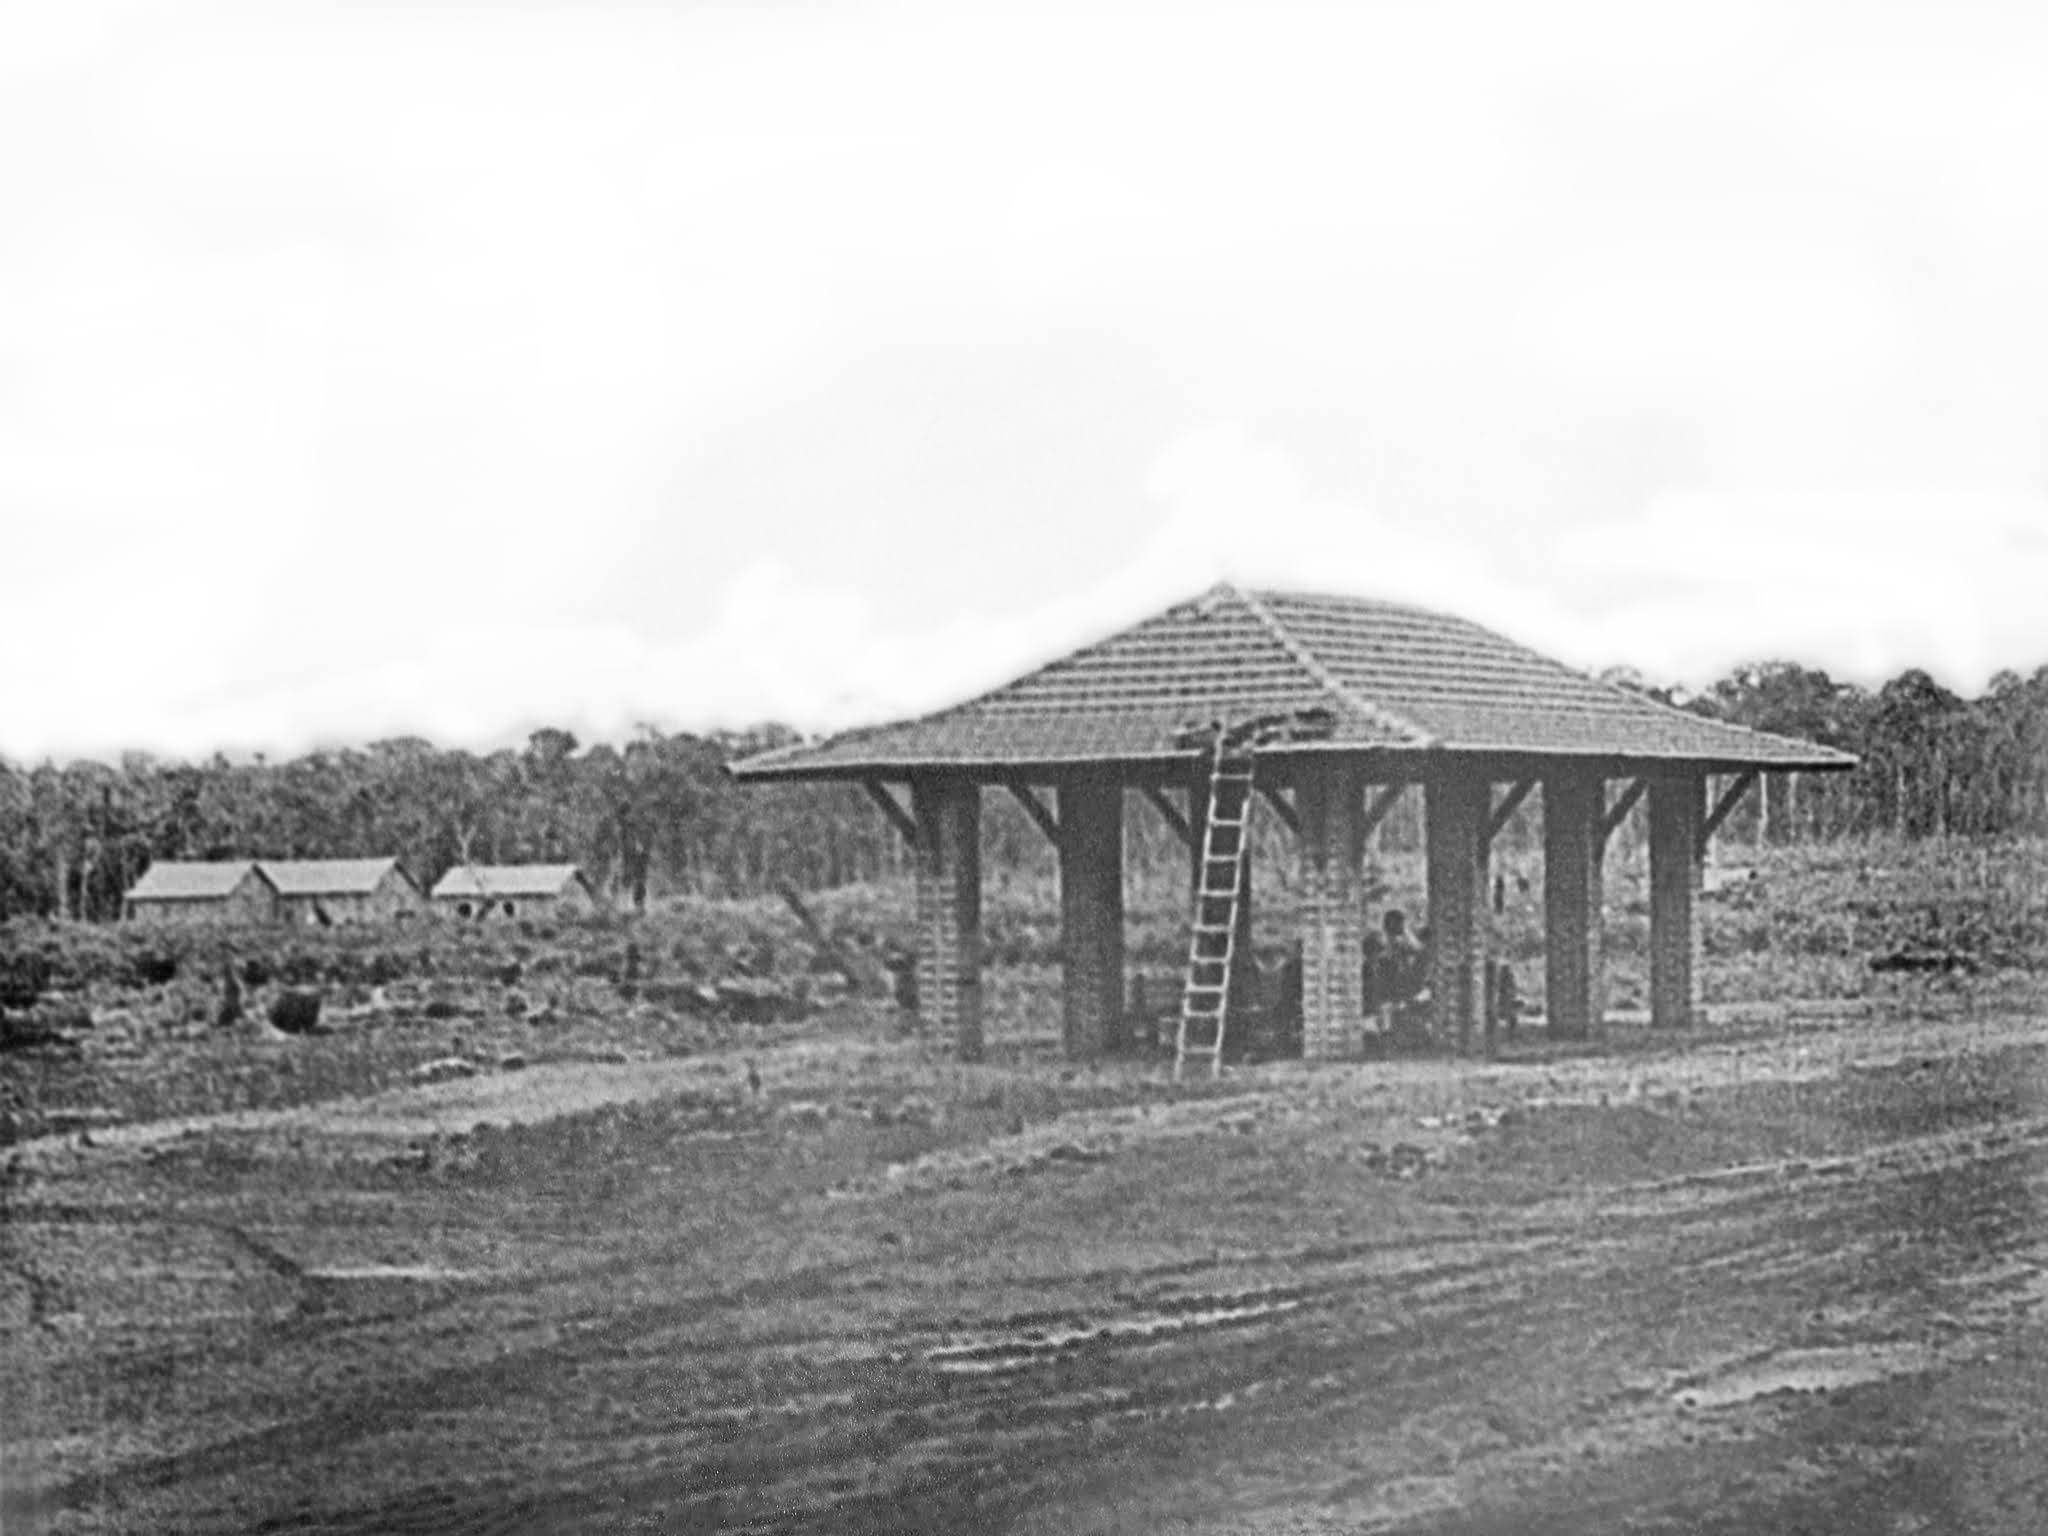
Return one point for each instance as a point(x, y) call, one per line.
point(1091, 810)
point(1574, 804)
point(948, 813)
point(1456, 808)
point(1677, 811)
point(1328, 801)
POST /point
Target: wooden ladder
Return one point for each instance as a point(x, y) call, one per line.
point(1212, 936)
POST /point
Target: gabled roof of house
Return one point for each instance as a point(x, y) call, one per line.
point(191, 880)
point(488, 880)
point(328, 877)
point(1387, 676)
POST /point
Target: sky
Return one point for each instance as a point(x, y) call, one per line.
point(454, 367)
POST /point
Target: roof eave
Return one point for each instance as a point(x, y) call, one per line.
point(1806, 759)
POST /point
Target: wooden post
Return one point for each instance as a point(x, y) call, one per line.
point(1456, 808)
point(1329, 804)
point(1091, 851)
point(1677, 811)
point(948, 816)
point(1574, 846)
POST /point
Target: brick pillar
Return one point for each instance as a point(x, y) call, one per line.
point(1328, 802)
point(948, 813)
point(1574, 804)
point(1456, 808)
point(1091, 808)
point(1677, 811)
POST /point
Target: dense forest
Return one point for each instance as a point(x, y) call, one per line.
point(659, 814)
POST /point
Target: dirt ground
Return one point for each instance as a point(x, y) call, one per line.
point(1788, 1273)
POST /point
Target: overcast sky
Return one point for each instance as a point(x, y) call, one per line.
point(453, 367)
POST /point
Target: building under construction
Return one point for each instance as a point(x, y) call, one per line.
point(1329, 709)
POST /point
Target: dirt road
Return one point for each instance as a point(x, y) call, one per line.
point(1789, 1278)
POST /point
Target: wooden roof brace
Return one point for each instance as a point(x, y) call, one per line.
point(1382, 804)
point(1047, 822)
point(1618, 812)
point(1730, 798)
point(1281, 808)
point(898, 817)
point(1171, 812)
point(1507, 807)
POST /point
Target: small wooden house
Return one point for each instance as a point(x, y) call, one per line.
point(475, 892)
point(176, 892)
point(331, 892)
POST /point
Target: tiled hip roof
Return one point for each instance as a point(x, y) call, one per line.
point(1391, 678)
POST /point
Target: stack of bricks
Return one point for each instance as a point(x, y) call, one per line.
point(1457, 810)
point(1329, 806)
point(948, 815)
point(1677, 814)
point(1091, 823)
point(1574, 844)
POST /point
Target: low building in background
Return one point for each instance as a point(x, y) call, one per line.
point(175, 892)
point(331, 892)
point(485, 891)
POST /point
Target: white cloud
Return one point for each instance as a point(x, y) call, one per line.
point(1865, 581)
point(348, 353)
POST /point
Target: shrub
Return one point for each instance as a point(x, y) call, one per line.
point(154, 968)
point(300, 968)
point(296, 1013)
point(24, 977)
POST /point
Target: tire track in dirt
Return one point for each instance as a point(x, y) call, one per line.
point(904, 1427)
point(1442, 1319)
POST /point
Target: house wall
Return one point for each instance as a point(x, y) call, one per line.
point(573, 900)
point(252, 901)
point(393, 898)
point(491, 909)
point(185, 912)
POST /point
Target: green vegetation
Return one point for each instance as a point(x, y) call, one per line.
point(659, 816)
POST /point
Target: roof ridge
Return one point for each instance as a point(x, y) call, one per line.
point(1324, 677)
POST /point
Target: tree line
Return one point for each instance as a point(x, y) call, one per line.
point(658, 814)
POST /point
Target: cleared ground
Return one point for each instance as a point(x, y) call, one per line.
point(1785, 1274)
